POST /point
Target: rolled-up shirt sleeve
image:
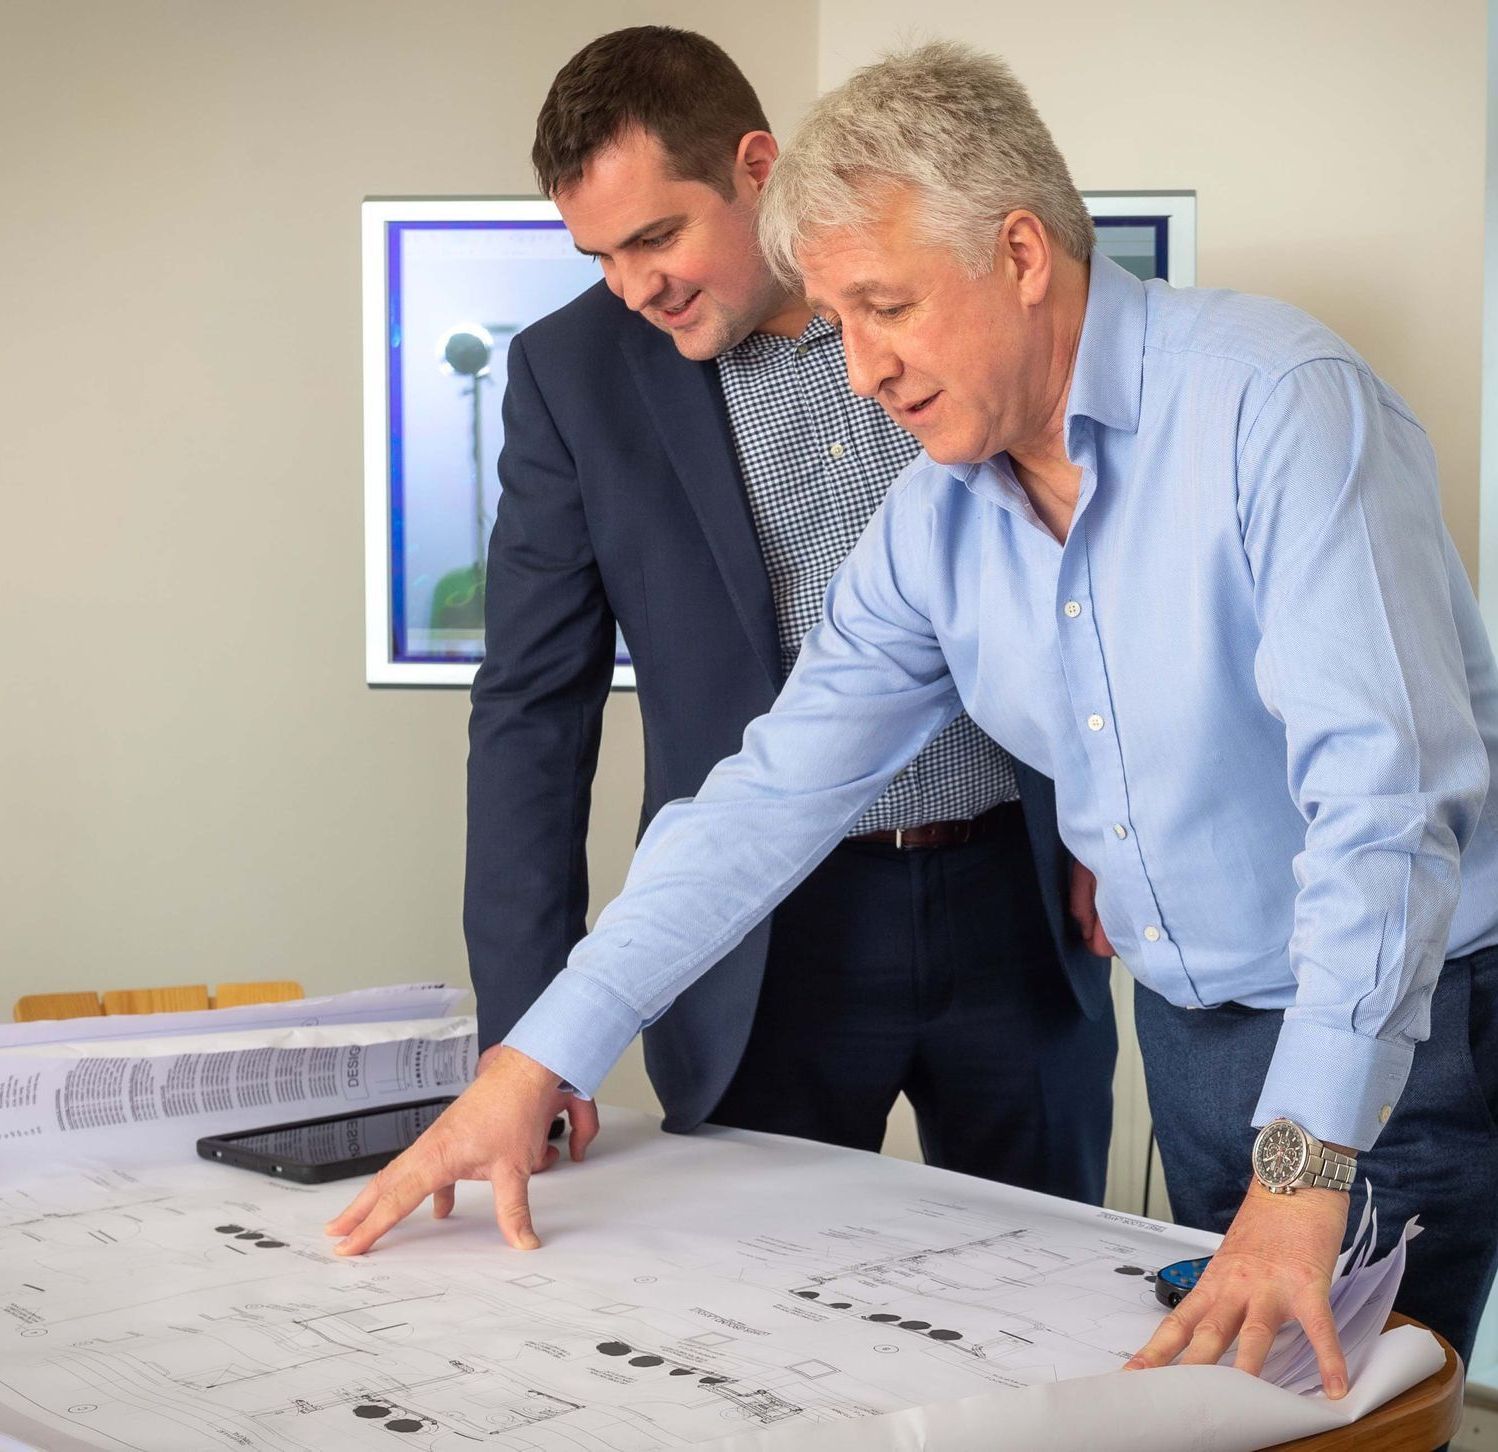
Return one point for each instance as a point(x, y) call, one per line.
point(1360, 660)
point(869, 688)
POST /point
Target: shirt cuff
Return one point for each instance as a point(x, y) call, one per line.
point(577, 1028)
point(1339, 1085)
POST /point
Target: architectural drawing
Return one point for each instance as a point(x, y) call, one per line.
point(197, 1307)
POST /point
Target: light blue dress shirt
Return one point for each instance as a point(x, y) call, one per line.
point(1255, 670)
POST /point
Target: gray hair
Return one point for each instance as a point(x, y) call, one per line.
point(945, 120)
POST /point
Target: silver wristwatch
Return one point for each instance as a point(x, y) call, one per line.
point(1287, 1158)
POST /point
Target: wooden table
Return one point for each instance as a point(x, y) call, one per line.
point(1418, 1420)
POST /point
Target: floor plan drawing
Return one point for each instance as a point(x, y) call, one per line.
point(192, 1306)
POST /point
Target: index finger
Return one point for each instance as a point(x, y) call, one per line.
point(385, 1201)
point(1171, 1336)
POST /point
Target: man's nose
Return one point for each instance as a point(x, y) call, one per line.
point(639, 284)
point(870, 364)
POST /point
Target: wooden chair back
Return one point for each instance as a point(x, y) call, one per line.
point(57, 1005)
point(182, 998)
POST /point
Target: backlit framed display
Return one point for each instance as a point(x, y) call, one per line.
point(448, 282)
point(1153, 234)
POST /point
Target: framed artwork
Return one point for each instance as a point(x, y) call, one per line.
point(447, 283)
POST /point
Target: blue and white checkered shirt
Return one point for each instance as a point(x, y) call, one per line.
point(816, 461)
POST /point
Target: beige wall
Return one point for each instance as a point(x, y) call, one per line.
point(1336, 148)
point(195, 784)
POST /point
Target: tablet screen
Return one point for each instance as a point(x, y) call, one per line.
point(384, 1132)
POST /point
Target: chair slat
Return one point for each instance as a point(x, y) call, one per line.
point(181, 999)
point(36, 1006)
point(235, 995)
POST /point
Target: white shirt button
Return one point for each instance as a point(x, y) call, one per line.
point(1094, 723)
point(837, 451)
point(1072, 609)
point(1152, 934)
point(1120, 831)
point(1384, 1113)
point(802, 350)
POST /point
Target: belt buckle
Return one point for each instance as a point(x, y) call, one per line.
point(899, 838)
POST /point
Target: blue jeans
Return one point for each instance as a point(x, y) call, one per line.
point(1437, 1156)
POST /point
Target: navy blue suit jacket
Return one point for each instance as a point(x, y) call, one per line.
point(622, 500)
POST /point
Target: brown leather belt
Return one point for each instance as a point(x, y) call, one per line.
point(943, 834)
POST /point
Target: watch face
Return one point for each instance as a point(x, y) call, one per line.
point(1280, 1153)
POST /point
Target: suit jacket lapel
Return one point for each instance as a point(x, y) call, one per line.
point(686, 406)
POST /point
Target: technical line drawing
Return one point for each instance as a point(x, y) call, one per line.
point(191, 1306)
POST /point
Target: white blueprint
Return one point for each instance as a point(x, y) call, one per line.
point(726, 1288)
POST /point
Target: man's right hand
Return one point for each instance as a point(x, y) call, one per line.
point(496, 1131)
point(582, 1120)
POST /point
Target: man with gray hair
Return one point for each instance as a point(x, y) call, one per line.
point(1183, 552)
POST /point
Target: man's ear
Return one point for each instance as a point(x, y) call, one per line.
point(1024, 250)
point(756, 158)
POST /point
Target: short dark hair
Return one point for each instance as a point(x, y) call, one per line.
point(675, 84)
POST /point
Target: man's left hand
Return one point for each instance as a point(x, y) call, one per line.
point(1274, 1265)
point(1082, 902)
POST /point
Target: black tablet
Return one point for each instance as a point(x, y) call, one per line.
point(335, 1148)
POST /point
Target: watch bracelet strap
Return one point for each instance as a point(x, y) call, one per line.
point(1327, 1169)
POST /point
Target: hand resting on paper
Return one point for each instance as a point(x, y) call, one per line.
point(496, 1131)
point(1275, 1265)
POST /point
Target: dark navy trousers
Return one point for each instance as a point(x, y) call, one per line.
point(1437, 1157)
point(933, 972)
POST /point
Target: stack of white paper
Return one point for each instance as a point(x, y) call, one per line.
point(150, 1085)
point(363, 1005)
